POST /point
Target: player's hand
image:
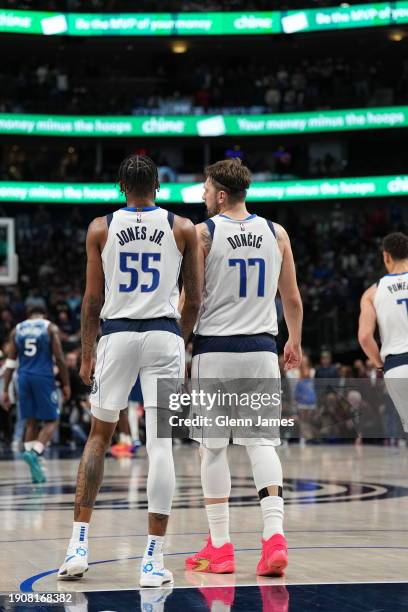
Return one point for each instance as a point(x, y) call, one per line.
point(292, 355)
point(66, 392)
point(6, 401)
point(86, 372)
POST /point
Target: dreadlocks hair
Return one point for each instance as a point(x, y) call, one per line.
point(138, 176)
point(232, 176)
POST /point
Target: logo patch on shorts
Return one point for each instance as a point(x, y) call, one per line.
point(54, 397)
point(94, 387)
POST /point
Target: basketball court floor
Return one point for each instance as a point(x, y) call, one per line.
point(346, 524)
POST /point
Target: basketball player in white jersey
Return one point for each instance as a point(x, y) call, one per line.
point(244, 259)
point(386, 305)
point(134, 259)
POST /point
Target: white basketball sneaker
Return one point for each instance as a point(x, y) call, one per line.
point(76, 562)
point(153, 573)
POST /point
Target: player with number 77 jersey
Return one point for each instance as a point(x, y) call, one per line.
point(243, 260)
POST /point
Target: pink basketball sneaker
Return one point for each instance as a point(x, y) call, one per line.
point(213, 560)
point(274, 558)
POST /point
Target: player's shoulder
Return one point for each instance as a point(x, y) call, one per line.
point(280, 232)
point(52, 327)
point(369, 294)
point(98, 231)
point(183, 224)
point(98, 224)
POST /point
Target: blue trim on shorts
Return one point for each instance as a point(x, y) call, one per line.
point(234, 344)
point(394, 361)
point(112, 326)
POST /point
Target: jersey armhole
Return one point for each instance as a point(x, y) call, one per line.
point(109, 219)
point(170, 219)
point(271, 227)
point(211, 227)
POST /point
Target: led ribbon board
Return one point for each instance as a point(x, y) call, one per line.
point(204, 126)
point(191, 193)
point(203, 24)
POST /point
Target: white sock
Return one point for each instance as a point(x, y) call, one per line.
point(125, 439)
point(218, 521)
point(38, 447)
point(79, 532)
point(28, 445)
point(154, 547)
point(272, 512)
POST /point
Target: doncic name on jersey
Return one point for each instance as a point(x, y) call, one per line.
point(130, 234)
point(243, 240)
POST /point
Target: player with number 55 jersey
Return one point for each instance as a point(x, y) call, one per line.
point(135, 256)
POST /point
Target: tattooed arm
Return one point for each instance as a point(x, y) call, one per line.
point(190, 274)
point(93, 298)
point(204, 241)
point(291, 300)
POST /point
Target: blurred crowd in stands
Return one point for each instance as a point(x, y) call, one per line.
point(84, 162)
point(188, 85)
point(337, 256)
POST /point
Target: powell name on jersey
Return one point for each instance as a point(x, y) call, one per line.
point(391, 305)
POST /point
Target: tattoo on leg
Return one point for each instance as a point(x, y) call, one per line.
point(90, 475)
point(160, 518)
point(158, 523)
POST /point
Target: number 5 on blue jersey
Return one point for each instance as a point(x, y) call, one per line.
point(125, 264)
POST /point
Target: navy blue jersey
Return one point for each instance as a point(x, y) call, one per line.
point(34, 348)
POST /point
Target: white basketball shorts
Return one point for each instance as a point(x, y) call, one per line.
point(123, 356)
point(235, 366)
point(396, 381)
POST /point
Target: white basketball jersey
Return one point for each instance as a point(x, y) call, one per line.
point(141, 263)
point(391, 305)
point(241, 279)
